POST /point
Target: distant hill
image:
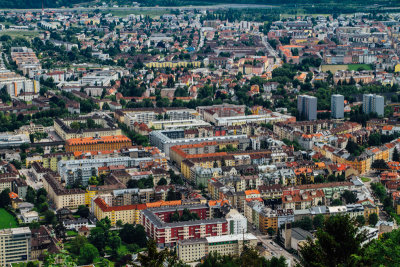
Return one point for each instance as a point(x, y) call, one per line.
point(38, 3)
point(171, 3)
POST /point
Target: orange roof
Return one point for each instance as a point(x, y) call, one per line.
point(106, 208)
point(251, 192)
point(13, 195)
point(387, 127)
point(95, 140)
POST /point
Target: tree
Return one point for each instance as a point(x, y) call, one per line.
point(93, 180)
point(396, 156)
point(114, 242)
point(360, 220)
point(152, 258)
point(76, 244)
point(349, 197)
point(305, 223)
point(133, 234)
point(271, 231)
point(383, 251)
point(335, 243)
point(83, 211)
point(336, 202)
point(318, 221)
point(50, 217)
point(98, 238)
point(106, 106)
point(379, 164)
point(172, 195)
point(30, 195)
point(373, 219)
point(5, 198)
point(88, 253)
point(162, 181)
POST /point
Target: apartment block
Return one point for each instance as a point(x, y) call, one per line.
point(126, 213)
point(114, 142)
point(65, 131)
point(82, 169)
point(373, 104)
point(169, 233)
point(337, 106)
point(307, 107)
point(15, 245)
point(60, 196)
point(194, 250)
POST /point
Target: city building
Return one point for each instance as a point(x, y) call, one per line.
point(194, 250)
point(18, 86)
point(83, 169)
point(126, 213)
point(337, 106)
point(307, 107)
point(60, 196)
point(237, 223)
point(164, 140)
point(373, 104)
point(169, 233)
point(65, 131)
point(102, 143)
point(50, 161)
point(15, 245)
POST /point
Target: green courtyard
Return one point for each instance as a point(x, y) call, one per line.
point(7, 220)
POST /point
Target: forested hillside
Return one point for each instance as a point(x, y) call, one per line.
point(38, 3)
point(298, 3)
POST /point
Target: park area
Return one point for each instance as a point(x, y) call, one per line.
point(7, 220)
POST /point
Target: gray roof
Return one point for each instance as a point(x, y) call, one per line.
point(300, 234)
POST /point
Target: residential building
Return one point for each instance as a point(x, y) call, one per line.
point(126, 213)
point(15, 245)
point(59, 195)
point(194, 250)
point(307, 107)
point(337, 106)
point(237, 223)
point(373, 104)
point(65, 131)
point(169, 233)
point(83, 169)
point(102, 143)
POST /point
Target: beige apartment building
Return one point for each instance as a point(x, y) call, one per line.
point(15, 245)
point(193, 250)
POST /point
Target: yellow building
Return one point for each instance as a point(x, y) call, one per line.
point(64, 130)
point(60, 196)
point(126, 214)
point(369, 209)
point(114, 142)
point(50, 160)
point(30, 160)
point(170, 64)
point(397, 68)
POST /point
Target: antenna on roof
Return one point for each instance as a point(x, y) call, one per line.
point(42, 7)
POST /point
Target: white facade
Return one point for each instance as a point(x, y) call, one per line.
point(237, 223)
point(337, 106)
point(307, 107)
point(374, 103)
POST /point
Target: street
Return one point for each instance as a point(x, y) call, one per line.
point(270, 245)
point(30, 179)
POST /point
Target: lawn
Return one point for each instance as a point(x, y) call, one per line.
point(151, 13)
point(7, 220)
point(365, 179)
point(25, 34)
point(72, 233)
point(357, 66)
